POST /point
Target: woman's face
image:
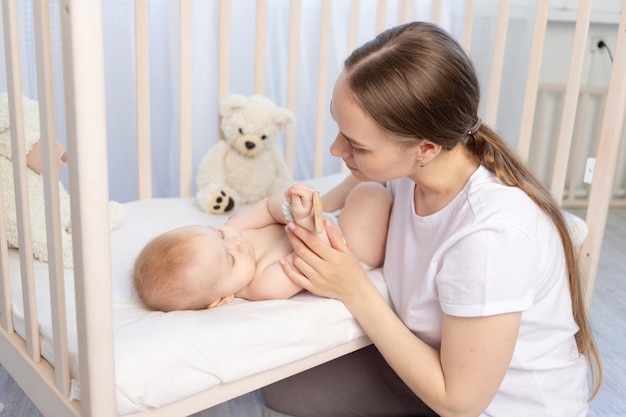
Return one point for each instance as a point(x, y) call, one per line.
point(370, 152)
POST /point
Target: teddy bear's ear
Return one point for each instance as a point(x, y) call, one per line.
point(231, 103)
point(283, 118)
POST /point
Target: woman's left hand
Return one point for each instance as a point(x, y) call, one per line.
point(329, 271)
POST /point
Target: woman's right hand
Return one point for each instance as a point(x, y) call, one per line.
point(328, 271)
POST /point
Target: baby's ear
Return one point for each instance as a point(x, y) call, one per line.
point(222, 300)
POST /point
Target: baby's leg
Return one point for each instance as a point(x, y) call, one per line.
point(364, 221)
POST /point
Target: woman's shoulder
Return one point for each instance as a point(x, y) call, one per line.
point(493, 201)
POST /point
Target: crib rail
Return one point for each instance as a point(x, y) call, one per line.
point(47, 381)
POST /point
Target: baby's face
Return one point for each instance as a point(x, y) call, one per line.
point(227, 262)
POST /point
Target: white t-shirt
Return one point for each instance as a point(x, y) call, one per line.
point(491, 251)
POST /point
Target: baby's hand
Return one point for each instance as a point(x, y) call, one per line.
point(305, 206)
point(300, 196)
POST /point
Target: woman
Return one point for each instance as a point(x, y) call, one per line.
point(488, 318)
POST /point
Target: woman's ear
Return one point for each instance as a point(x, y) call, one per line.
point(427, 150)
point(222, 300)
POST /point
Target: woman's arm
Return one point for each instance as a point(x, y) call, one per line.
point(459, 380)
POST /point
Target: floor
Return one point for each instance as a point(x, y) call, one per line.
point(608, 315)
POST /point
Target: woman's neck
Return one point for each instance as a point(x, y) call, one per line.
point(442, 179)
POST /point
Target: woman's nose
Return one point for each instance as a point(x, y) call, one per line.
point(337, 148)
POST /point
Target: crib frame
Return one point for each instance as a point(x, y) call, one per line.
point(48, 385)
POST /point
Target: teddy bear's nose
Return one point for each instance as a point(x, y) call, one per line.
point(250, 145)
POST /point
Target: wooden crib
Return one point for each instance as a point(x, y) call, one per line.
point(47, 381)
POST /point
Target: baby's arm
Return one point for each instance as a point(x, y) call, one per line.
point(261, 214)
point(271, 284)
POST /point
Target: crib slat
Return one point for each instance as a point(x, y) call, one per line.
point(468, 25)
point(292, 79)
point(532, 81)
point(185, 96)
point(142, 79)
point(50, 175)
point(608, 151)
point(570, 101)
point(381, 15)
point(405, 11)
point(223, 45)
point(260, 47)
point(322, 86)
point(16, 121)
point(83, 64)
point(6, 315)
point(353, 31)
point(497, 62)
point(435, 11)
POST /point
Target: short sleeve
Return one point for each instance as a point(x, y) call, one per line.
point(489, 271)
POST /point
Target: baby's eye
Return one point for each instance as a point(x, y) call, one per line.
point(220, 233)
point(231, 259)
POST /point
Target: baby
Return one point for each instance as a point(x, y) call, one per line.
point(197, 267)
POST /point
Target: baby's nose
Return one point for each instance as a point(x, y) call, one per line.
point(234, 242)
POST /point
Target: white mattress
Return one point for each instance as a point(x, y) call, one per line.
point(163, 357)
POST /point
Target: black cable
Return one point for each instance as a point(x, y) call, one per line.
point(601, 44)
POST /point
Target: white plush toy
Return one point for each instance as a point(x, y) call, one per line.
point(35, 186)
point(246, 166)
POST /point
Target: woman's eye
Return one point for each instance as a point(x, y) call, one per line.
point(354, 148)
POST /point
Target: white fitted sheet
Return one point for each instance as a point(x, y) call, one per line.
point(163, 357)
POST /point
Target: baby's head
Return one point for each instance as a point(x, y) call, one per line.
point(192, 268)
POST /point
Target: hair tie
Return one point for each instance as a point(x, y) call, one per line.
point(476, 126)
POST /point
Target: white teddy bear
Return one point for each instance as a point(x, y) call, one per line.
point(246, 166)
point(35, 186)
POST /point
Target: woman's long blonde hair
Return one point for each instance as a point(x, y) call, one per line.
point(416, 81)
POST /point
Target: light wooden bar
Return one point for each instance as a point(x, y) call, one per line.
point(16, 120)
point(223, 54)
point(570, 101)
point(50, 176)
point(292, 79)
point(497, 62)
point(435, 11)
point(532, 81)
point(608, 150)
point(6, 313)
point(405, 11)
point(142, 77)
point(83, 63)
point(468, 25)
point(353, 31)
point(185, 96)
point(381, 15)
point(322, 95)
point(260, 49)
